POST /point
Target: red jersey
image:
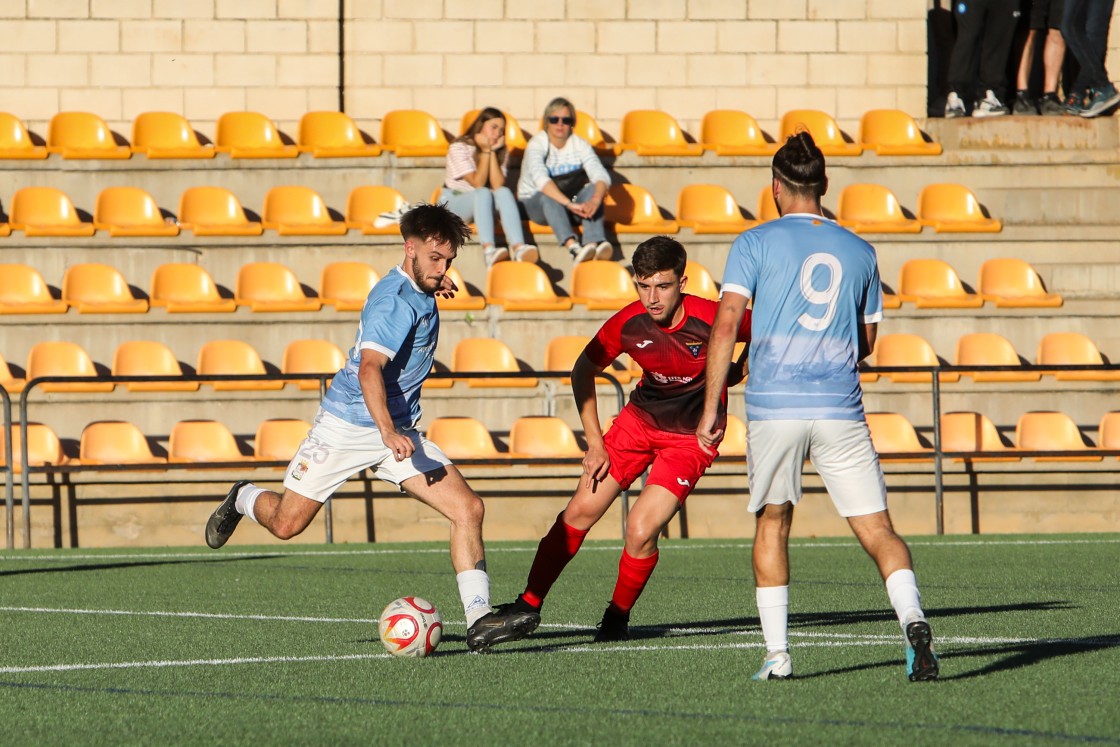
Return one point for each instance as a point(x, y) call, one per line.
point(670, 395)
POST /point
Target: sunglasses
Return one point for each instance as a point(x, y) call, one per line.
point(566, 120)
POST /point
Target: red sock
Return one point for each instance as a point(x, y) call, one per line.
point(556, 548)
point(633, 573)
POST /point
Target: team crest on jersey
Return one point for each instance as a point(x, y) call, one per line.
point(694, 348)
point(300, 470)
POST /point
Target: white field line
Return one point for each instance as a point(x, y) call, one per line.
point(187, 663)
point(672, 547)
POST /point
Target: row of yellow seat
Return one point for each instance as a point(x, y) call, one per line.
point(989, 349)
point(300, 211)
point(896, 439)
point(324, 134)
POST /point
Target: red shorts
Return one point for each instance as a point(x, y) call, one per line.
point(633, 445)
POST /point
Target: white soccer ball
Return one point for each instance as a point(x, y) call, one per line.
point(410, 627)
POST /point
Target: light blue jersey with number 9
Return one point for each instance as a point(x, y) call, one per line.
point(814, 284)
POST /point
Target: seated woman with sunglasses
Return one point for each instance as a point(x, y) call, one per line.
point(562, 180)
point(474, 184)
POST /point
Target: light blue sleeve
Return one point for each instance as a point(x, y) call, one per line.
point(387, 321)
point(871, 308)
point(740, 274)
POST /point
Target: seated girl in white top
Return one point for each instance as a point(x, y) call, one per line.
point(474, 185)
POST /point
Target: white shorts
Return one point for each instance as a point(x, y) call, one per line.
point(335, 450)
point(841, 451)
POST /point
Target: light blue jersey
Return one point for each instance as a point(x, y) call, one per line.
point(814, 284)
point(401, 321)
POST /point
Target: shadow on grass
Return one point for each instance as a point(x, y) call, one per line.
point(80, 567)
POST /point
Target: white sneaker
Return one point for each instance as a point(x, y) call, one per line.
point(604, 250)
point(954, 107)
point(776, 667)
point(526, 253)
point(495, 254)
point(581, 253)
point(389, 217)
point(990, 106)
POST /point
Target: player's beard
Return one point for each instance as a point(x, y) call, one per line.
point(427, 284)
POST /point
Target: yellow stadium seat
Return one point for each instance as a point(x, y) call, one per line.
point(730, 132)
point(23, 291)
point(588, 129)
point(650, 132)
point(734, 443)
point(709, 208)
point(872, 208)
point(967, 432)
point(115, 442)
point(542, 437)
point(167, 135)
point(891, 132)
point(83, 135)
point(130, 211)
point(700, 281)
point(46, 211)
point(43, 447)
point(251, 135)
point(15, 141)
point(463, 300)
point(63, 359)
point(515, 136)
point(299, 211)
point(485, 354)
point(890, 300)
point(953, 208)
point(95, 288)
point(826, 133)
point(329, 134)
point(271, 286)
point(934, 284)
point(184, 287)
point(11, 383)
point(895, 439)
point(233, 358)
point(1010, 282)
point(522, 286)
point(312, 356)
point(365, 204)
point(562, 352)
point(278, 440)
point(1108, 432)
point(767, 208)
point(1073, 349)
point(987, 349)
point(214, 211)
point(602, 284)
point(632, 209)
point(1053, 431)
point(903, 349)
point(412, 133)
point(149, 358)
point(463, 438)
point(346, 285)
point(202, 441)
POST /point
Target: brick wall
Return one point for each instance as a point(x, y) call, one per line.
point(121, 57)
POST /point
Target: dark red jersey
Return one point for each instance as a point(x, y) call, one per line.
point(670, 395)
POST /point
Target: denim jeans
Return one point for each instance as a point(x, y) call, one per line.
point(1085, 28)
point(478, 205)
point(543, 209)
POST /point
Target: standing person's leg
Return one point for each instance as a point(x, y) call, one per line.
point(963, 60)
point(1053, 56)
point(544, 209)
point(1103, 94)
point(1073, 31)
point(510, 217)
point(1024, 104)
point(1000, 20)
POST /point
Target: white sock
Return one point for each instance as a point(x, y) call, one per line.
point(902, 588)
point(773, 613)
point(247, 499)
point(474, 590)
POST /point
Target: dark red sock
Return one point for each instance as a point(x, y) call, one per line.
point(556, 548)
point(633, 573)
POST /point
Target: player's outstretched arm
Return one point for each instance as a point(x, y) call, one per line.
point(372, 379)
point(721, 344)
point(596, 462)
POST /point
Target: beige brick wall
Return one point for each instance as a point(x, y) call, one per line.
point(121, 57)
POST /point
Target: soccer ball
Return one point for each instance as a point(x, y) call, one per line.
point(410, 627)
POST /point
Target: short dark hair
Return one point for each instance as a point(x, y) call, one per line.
point(435, 222)
point(659, 254)
point(799, 166)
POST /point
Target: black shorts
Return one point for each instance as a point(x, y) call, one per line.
point(1047, 14)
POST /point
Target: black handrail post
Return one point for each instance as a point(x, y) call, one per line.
point(938, 490)
point(9, 498)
